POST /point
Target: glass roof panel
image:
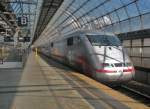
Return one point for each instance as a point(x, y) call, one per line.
point(122, 14)
point(79, 3)
point(114, 17)
point(144, 6)
point(116, 4)
point(132, 10)
point(126, 1)
point(108, 6)
point(135, 23)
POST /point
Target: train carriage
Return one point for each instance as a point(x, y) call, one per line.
point(98, 55)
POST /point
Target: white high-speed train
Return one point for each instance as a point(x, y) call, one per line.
point(98, 55)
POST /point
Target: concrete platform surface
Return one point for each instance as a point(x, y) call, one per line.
point(45, 84)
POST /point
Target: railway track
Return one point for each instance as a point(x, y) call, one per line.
point(135, 94)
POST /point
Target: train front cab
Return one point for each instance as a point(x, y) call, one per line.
point(111, 73)
point(113, 63)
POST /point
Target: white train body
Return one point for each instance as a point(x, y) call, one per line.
point(97, 55)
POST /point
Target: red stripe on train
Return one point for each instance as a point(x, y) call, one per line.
point(114, 71)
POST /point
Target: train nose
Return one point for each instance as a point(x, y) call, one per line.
point(111, 74)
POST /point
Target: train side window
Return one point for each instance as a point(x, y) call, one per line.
point(78, 38)
point(70, 41)
point(52, 44)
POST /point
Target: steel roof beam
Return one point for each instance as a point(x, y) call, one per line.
point(22, 2)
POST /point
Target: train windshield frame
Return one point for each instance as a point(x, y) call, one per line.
point(104, 40)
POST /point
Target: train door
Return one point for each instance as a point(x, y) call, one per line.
point(70, 50)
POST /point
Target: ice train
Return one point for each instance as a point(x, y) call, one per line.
point(97, 55)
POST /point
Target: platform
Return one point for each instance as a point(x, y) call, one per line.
point(45, 84)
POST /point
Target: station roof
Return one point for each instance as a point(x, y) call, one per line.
point(50, 19)
point(49, 8)
point(11, 10)
point(7, 19)
point(116, 16)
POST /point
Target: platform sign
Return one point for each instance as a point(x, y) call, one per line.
point(8, 39)
point(20, 39)
point(24, 39)
point(22, 21)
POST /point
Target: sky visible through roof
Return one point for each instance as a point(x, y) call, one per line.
point(117, 16)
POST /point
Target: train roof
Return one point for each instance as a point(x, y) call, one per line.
point(91, 32)
point(84, 32)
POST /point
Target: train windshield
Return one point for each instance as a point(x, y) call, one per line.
point(104, 40)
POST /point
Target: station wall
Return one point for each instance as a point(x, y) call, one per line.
point(139, 51)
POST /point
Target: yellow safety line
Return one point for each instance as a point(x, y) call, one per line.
point(36, 52)
point(131, 103)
